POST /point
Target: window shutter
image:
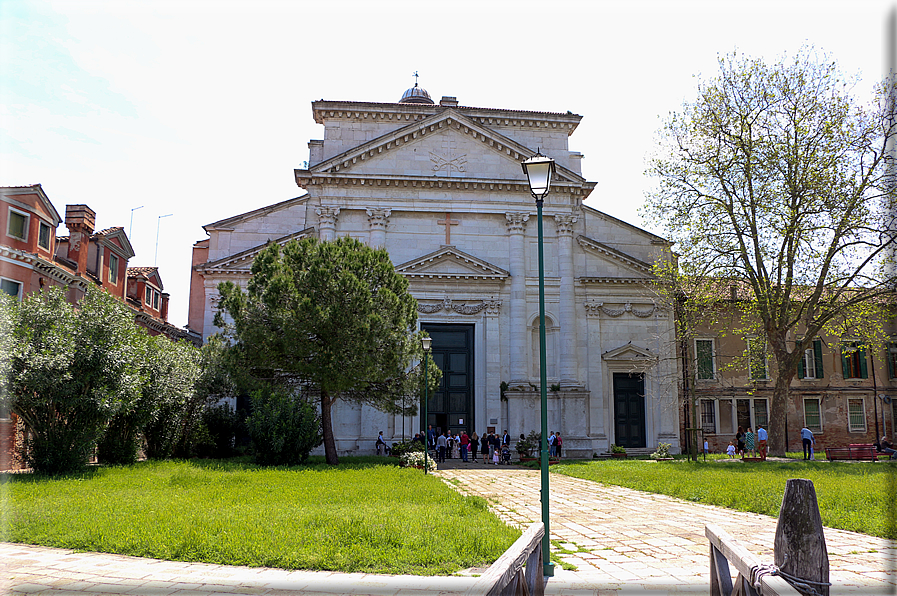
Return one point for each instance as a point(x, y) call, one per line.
point(800, 368)
point(861, 352)
point(844, 368)
point(891, 372)
point(817, 356)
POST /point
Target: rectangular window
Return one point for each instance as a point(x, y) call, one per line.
point(13, 288)
point(810, 366)
point(853, 360)
point(856, 414)
point(113, 269)
point(43, 237)
point(757, 357)
point(156, 297)
point(726, 416)
point(17, 226)
point(761, 417)
point(708, 416)
point(149, 296)
point(812, 418)
point(704, 359)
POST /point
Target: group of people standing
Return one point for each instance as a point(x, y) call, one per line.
point(749, 444)
point(449, 445)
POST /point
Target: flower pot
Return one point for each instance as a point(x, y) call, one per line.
point(618, 455)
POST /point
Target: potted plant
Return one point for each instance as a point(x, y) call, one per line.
point(663, 452)
point(617, 450)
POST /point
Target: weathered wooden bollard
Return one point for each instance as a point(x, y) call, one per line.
point(800, 552)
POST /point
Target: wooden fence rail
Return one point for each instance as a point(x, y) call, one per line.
point(800, 555)
point(518, 572)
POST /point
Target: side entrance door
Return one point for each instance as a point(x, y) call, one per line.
point(629, 409)
point(451, 405)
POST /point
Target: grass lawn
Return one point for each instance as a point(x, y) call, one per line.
point(359, 517)
point(851, 496)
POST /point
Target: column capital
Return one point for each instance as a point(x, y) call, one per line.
point(327, 214)
point(517, 221)
point(593, 308)
point(378, 218)
point(493, 307)
point(565, 223)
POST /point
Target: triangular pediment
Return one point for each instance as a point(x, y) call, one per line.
point(450, 263)
point(445, 145)
point(624, 265)
point(629, 353)
point(241, 262)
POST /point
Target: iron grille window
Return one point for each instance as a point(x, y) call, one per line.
point(708, 416)
point(856, 414)
point(812, 418)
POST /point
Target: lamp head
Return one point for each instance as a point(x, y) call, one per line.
point(539, 171)
point(425, 343)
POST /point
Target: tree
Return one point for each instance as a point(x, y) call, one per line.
point(332, 316)
point(777, 177)
point(70, 371)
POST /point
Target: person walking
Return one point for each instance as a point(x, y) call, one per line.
point(558, 443)
point(449, 445)
point(552, 447)
point(808, 440)
point(431, 438)
point(441, 442)
point(487, 443)
point(762, 437)
point(474, 445)
point(465, 443)
point(381, 445)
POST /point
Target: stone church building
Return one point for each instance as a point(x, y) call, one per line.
point(441, 187)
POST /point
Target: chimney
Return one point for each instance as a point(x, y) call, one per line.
point(164, 311)
point(80, 220)
point(448, 100)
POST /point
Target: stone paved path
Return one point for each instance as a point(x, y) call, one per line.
point(627, 542)
point(626, 538)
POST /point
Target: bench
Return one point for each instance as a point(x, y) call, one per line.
point(856, 451)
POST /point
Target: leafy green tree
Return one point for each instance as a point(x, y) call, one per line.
point(776, 176)
point(168, 395)
point(331, 316)
point(71, 370)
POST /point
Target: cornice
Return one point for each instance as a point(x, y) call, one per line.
point(613, 253)
point(482, 270)
point(612, 280)
point(242, 261)
point(51, 270)
point(398, 112)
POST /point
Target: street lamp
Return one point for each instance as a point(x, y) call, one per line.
point(539, 171)
point(425, 344)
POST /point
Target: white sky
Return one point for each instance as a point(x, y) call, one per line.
point(201, 109)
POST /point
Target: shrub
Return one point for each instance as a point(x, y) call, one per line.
point(416, 459)
point(283, 428)
point(663, 451)
point(399, 449)
point(222, 423)
point(617, 449)
point(120, 443)
point(531, 444)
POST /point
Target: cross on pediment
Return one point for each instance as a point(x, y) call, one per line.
point(448, 222)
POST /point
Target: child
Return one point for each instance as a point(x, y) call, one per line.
point(495, 457)
point(706, 447)
point(731, 450)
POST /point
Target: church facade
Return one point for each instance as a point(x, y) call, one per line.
point(440, 186)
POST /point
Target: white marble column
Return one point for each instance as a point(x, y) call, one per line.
point(516, 228)
point(492, 345)
point(327, 215)
point(567, 307)
point(378, 220)
point(598, 399)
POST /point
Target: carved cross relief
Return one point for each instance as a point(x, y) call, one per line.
point(448, 222)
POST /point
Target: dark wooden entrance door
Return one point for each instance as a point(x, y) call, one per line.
point(451, 405)
point(629, 409)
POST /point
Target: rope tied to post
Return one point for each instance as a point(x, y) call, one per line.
point(801, 585)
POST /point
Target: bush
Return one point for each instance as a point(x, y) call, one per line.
point(283, 428)
point(399, 449)
point(120, 443)
point(222, 424)
point(663, 451)
point(531, 444)
point(416, 459)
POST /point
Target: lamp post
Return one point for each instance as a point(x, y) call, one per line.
point(425, 344)
point(539, 171)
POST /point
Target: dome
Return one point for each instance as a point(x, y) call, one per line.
point(416, 95)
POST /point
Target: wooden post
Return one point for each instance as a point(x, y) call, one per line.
point(800, 544)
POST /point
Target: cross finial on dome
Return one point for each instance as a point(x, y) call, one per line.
point(415, 78)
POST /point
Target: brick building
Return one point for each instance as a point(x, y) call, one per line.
point(843, 392)
point(32, 257)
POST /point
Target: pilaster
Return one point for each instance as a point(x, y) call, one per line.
point(378, 219)
point(567, 307)
point(327, 216)
point(516, 229)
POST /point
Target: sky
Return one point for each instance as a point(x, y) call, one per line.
point(164, 116)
